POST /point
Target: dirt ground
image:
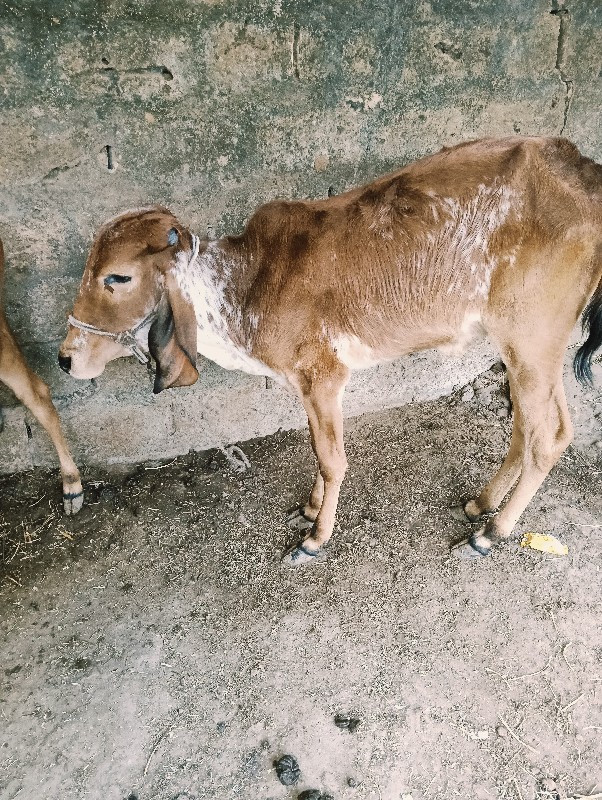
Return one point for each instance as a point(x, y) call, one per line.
point(154, 648)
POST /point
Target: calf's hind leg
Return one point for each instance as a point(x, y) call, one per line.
point(33, 393)
point(544, 428)
point(532, 310)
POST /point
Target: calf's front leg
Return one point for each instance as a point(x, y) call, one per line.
point(321, 399)
point(303, 517)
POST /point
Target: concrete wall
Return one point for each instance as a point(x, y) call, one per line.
point(214, 107)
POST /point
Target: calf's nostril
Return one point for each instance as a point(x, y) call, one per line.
point(65, 363)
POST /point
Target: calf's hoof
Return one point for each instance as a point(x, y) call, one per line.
point(73, 501)
point(458, 513)
point(296, 519)
point(472, 511)
point(469, 511)
point(299, 554)
point(478, 545)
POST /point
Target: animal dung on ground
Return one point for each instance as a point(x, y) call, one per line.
point(314, 794)
point(347, 723)
point(287, 770)
point(545, 543)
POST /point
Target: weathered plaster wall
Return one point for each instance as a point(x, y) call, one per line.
point(214, 107)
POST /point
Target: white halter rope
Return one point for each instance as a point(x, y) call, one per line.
point(128, 338)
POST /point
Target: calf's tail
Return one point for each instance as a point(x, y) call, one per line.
point(592, 325)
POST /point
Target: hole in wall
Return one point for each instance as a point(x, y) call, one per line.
point(110, 160)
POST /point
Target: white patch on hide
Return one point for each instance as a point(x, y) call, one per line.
point(459, 248)
point(473, 224)
point(80, 341)
point(353, 353)
point(200, 284)
point(470, 330)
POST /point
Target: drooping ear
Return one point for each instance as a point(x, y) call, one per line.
point(172, 339)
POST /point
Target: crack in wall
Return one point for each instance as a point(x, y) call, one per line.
point(564, 18)
point(381, 87)
point(295, 50)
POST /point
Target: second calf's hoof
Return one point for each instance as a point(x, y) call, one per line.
point(72, 502)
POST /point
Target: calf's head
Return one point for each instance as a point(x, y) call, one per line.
point(132, 274)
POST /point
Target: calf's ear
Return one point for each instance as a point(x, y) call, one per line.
point(172, 339)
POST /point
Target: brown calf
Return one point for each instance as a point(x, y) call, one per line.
point(33, 393)
point(497, 236)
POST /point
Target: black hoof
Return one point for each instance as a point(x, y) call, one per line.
point(459, 513)
point(296, 519)
point(72, 502)
point(299, 554)
point(72, 495)
point(470, 517)
point(476, 546)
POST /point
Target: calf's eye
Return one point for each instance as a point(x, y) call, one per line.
point(117, 279)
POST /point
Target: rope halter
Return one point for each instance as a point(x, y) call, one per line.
point(125, 338)
point(128, 338)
